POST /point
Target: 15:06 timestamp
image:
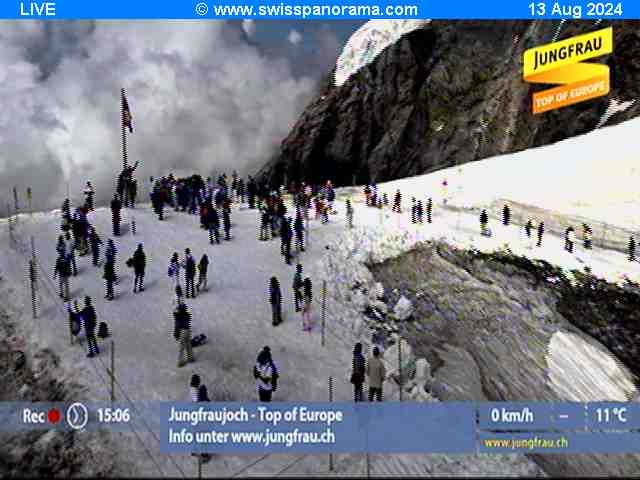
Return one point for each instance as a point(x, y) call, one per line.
point(113, 415)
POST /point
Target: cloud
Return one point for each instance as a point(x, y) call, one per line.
point(201, 99)
point(295, 37)
point(249, 27)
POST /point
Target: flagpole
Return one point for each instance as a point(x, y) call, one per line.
point(124, 129)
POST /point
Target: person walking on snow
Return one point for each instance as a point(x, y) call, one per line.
point(429, 209)
point(189, 266)
point(540, 233)
point(506, 215)
point(69, 249)
point(116, 207)
point(397, 202)
point(213, 225)
point(62, 270)
point(95, 242)
point(349, 213)
point(376, 372)
point(632, 249)
point(88, 197)
point(182, 334)
point(298, 227)
point(275, 299)
point(109, 278)
point(139, 263)
point(484, 219)
point(203, 266)
point(587, 236)
point(569, 239)
point(419, 211)
point(414, 210)
point(266, 374)
point(173, 271)
point(226, 220)
point(308, 300)
point(358, 371)
point(298, 283)
point(90, 320)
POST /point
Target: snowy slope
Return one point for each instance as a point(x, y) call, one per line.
point(236, 316)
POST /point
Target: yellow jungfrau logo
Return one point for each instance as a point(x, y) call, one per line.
point(559, 63)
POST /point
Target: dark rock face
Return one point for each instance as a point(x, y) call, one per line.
point(446, 94)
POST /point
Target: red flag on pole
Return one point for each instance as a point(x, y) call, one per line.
point(127, 119)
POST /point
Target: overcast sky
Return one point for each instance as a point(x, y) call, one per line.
point(204, 96)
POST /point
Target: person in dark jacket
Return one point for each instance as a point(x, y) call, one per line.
point(109, 278)
point(308, 301)
point(297, 288)
point(133, 191)
point(349, 213)
point(62, 270)
point(587, 237)
point(251, 192)
point(285, 235)
point(419, 211)
point(484, 219)
point(264, 225)
point(429, 209)
point(397, 202)
point(275, 299)
point(298, 228)
point(506, 215)
point(189, 273)
point(182, 333)
point(139, 264)
point(540, 233)
point(528, 228)
point(70, 252)
point(90, 320)
point(226, 220)
point(632, 249)
point(213, 225)
point(266, 374)
point(95, 242)
point(358, 373)
point(203, 266)
point(116, 207)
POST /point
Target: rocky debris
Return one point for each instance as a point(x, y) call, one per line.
point(445, 94)
point(504, 333)
point(403, 309)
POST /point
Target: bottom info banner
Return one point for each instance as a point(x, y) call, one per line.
point(317, 427)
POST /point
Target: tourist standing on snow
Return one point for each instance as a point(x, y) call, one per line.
point(69, 249)
point(62, 270)
point(88, 196)
point(349, 213)
point(182, 334)
point(367, 195)
point(397, 202)
point(429, 209)
point(90, 320)
point(116, 207)
point(139, 266)
point(194, 385)
point(376, 372)
point(275, 299)
point(226, 219)
point(95, 242)
point(358, 371)
point(506, 215)
point(540, 233)
point(414, 210)
point(298, 283)
point(308, 300)
point(632, 249)
point(189, 266)
point(266, 374)
point(298, 228)
point(528, 228)
point(173, 271)
point(484, 219)
point(251, 191)
point(109, 277)
point(569, 239)
point(587, 237)
point(203, 266)
point(213, 225)
point(264, 225)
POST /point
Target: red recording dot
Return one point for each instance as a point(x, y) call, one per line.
point(53, 415)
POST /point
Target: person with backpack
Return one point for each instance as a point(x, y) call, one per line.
point(266, 374)
point(139, 263)
point(182, 334)
point(306, 309)
point(62, 270)
point(189, 265)
point(203, 266)
point(358, 373)
point(376, 372)
point(89, 318)
point(275, 299)
point(297, 288)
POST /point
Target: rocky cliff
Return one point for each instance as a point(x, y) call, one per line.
point(446, 94)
